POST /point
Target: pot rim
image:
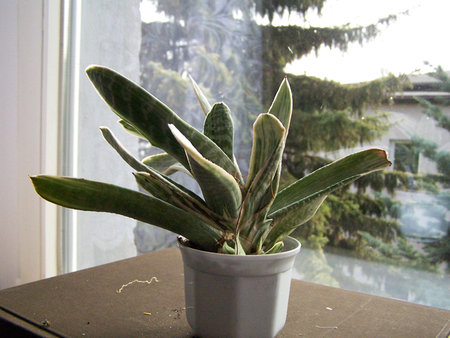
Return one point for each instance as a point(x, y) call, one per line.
point(292, 247)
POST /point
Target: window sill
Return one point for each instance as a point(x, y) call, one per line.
point(107, 301)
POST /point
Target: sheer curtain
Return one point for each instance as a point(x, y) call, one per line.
point(106, 33)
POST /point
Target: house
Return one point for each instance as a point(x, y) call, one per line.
point(424, 215)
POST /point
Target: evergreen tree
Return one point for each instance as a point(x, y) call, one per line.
point(435, 250)
point(238, 59)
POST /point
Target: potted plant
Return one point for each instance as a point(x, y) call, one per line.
point(234, 241)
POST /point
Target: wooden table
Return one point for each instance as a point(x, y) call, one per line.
point(144, 297)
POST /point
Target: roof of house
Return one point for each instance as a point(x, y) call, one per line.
point(423, 86)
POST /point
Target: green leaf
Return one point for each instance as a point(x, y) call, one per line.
point(281, 108)
point(260, 236)
point(150, 117)
point(219, 128)
point(206, 106)
point(227, 249)
point(282, 104)
point(129, 128)
point(89, 195)
point(165, 164)
point(277, 247)
point(268, 132)
point(220, 190)
point(354, 165)
point(288, 219)
point(268, 146)
point(240, 251)
point(297, 203)
point(165, 189)
point(126, 156)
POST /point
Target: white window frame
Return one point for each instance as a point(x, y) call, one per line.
point(29, 92)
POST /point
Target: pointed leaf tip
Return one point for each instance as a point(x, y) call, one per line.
point(282, 104)
point(219, 128)
point(82, 194)
point(220, 190)
point(202, 100)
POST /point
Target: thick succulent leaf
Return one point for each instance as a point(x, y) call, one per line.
point(220, 190)
point(268, 132)
point(240, 249)
point(141, 167)
point(126, 156)
point(164, 163)
point(163, 188)
point(282, 104)
point(299, 202)
point(206, 106)
point(167, 190)
point(129, 128)
point(282, 108)
point(268, 146)
point(219, 128)
point(227, 249)
point(150, 117)
point(260, 235)
point(287, 220)
point(359, 163)
point(277, 247)
point(88, 195)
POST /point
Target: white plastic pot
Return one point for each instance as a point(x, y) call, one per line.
point(237, 296)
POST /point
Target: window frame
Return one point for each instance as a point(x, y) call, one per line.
point(395, 166)
point(31, 60)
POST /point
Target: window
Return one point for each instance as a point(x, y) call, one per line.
point(239, 52)
point(106, 33)
point(405, 157)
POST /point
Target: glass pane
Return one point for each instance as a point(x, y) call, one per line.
point(406, 159)
point(387, 234)
point(106, 33)
point(208, 41)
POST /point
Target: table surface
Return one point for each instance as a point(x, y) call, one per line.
point(144, 297)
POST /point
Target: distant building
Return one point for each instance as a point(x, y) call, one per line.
point(410, 120)
point(423, 215)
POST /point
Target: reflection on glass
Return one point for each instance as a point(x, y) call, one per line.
point(239, 51)
point(406, 159)
point(339, 268)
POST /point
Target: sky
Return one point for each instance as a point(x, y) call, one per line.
point(400, 48)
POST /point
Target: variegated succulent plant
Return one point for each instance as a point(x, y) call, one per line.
point(235, 216)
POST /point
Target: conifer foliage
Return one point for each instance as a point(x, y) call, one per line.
point(240, 59)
